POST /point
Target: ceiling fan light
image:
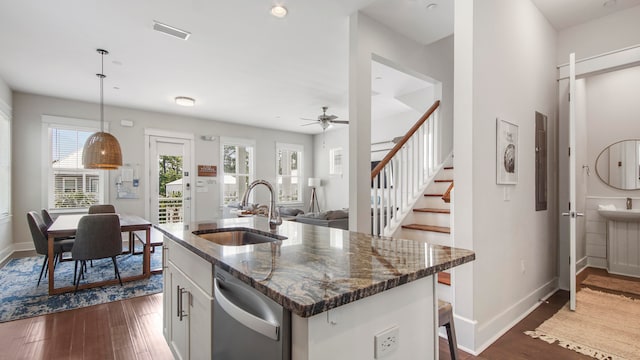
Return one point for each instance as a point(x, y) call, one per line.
point(185, 101)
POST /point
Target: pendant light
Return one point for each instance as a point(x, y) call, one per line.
point(102, 150)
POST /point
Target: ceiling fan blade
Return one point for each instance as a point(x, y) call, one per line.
point(331, 117)
point(313, 123)
point(308, 119)
point(339, 121)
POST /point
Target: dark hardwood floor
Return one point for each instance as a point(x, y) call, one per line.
point(132, 329)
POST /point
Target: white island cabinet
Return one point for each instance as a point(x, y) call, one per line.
point(350, 296)
point(348, 332)
point(188, 302)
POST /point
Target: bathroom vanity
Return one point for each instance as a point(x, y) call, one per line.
point(623, 240)
point(324, 293)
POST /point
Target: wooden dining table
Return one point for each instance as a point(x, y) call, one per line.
point(67, 225)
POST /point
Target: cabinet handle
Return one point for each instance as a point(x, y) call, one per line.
point(179, 302)
point(181, 312)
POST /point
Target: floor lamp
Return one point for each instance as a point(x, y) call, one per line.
point(313, 203)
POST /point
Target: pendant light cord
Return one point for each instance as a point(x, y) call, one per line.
point(102, 76)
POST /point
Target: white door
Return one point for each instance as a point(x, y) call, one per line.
point(572, 213)
point(170, 180)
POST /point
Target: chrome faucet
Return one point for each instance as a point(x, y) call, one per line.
point(274, 214)
point(629, 203)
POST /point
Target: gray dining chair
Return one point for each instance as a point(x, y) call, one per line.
point(98, 237)
point(102, 209)
point(46, 217)
point(40, 241)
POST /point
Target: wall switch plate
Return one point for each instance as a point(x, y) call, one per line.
point(386, 342)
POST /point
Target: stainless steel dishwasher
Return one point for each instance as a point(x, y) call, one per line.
point(246, 324)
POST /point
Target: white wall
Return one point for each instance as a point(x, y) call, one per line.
point(512, 49)
point(5, 224)
point(27, 150)
point(334, 193)
point(368, 38)
point(609, 33)
point(612, 115)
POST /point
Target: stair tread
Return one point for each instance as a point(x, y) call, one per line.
point(433, 210)
point(433, 194)
point(444, 180)
point(444, 278)
point(440, 229)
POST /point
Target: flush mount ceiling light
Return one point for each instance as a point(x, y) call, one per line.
point(279, 11)
point(102, 150)
point(432, 6)
point(170, 30)
point(185, 101)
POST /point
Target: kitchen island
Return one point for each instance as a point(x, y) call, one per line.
point(340, 288)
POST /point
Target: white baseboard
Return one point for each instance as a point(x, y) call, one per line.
point(23, 246)
point(582, 264)
point(595, 262)
point(489, 332)
point(5, 253)
point(465, 333)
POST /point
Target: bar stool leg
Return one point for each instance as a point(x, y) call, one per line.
point(445, 318)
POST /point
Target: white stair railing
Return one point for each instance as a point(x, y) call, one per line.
point(401, 177)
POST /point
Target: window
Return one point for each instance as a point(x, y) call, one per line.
point(71, 186)
point(5, 165)
point(289, 173)
point(238, 168)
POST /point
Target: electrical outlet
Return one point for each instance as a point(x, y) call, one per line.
point(386, 342)
point(522, 268)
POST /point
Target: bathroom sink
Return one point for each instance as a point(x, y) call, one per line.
point(237, 236)
point(631, 215)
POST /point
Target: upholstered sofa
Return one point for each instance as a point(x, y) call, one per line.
point(333, 218)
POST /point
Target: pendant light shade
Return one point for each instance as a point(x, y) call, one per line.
point(102, 150)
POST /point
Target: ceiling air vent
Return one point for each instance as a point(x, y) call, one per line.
point(170, 30)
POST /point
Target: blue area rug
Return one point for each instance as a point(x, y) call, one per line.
point(21, 298)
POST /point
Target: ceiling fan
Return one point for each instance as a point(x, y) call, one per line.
point(324, 120)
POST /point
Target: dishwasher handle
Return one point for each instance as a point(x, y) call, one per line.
point(262, 326)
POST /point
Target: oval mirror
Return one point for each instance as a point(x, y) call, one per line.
point(618, 165)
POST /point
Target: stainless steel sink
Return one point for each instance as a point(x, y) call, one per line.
point(237, 236)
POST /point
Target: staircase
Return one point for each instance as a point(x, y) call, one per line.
point(430, 221)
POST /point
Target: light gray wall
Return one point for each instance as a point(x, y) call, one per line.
point(27, 178)
point(612, 115)
point(505, 68)
point(368, 39)
point(334, 193)
point(5, 224)
point(616, 31)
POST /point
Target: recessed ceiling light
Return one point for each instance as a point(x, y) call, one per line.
point(185, 101)
point(170, 30)
point(432, 6)
point(279, 11)
point(116, 88)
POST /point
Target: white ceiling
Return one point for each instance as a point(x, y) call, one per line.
point(241, 64)
point(563, 14)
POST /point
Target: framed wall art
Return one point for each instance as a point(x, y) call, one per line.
point(506, 152)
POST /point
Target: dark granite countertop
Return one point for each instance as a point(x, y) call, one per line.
point(318, 268)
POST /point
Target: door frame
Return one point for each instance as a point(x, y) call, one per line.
point(148, 133)
point(583, 68)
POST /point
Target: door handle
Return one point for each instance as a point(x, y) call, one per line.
point(573, 214)
point(164, 257)
point(265, 327)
